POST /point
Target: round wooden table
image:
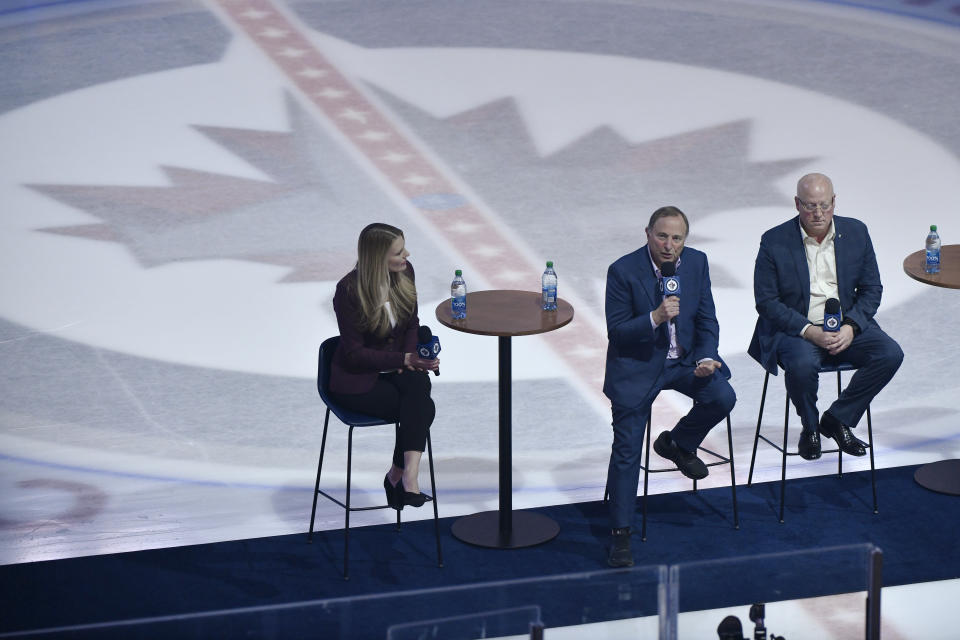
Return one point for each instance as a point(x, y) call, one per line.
point(505, 313)
point(949, 276)
point(942, 476)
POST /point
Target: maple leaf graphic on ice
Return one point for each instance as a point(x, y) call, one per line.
point(307, 216)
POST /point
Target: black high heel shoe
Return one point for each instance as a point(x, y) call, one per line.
point(407, 497)
point(394, 493)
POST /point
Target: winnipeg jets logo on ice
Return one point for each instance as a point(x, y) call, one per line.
point(210, 238)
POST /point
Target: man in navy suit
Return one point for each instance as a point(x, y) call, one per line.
point(659, 342)
point(801, 264)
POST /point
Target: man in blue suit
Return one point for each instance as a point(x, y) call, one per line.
point(802, 263)
point(659, 342)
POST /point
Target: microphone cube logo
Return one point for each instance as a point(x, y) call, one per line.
point(429, 350)
point(671, 286)
point(831, 323)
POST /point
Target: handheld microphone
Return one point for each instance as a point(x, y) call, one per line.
point(757, 613)
point(832, 315)
point(428, 345)
point(670, 283)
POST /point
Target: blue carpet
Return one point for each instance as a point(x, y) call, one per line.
point(916, 530)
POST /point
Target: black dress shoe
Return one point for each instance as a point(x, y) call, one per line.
point(408, 497)
point(620, 555)
point(393, 494)
point(833, 428)
point(809, 445)
point(688, 463)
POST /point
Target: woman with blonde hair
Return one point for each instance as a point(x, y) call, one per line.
point(375, 369)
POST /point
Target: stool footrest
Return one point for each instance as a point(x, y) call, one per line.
point(336, 501)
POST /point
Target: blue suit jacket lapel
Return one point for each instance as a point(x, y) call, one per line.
point(648, 278)
point(800, 262)
point(838, 255)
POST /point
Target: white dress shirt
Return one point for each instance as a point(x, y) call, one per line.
point(822, 266)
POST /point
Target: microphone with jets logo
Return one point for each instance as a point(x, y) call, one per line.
point(832, 315)
point(428, 345)
point(670, 283)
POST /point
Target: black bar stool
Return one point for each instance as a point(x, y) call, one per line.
point(354, 420)
point(828, 368)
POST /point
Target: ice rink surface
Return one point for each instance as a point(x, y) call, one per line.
point(183, 183)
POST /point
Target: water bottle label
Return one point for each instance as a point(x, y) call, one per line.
point(933, 256)
point(549, 294)
point(459, 306)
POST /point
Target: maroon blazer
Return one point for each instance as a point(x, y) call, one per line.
point(361, 356)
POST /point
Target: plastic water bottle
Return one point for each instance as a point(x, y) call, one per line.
point(548, 283)
point(458, 296)
point(933, 250)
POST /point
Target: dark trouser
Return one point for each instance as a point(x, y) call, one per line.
point(713, 400)
point(402, 397)
point(875, 354)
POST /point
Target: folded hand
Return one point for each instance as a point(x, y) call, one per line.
point(706, 368)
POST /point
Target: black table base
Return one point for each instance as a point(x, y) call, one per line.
point(505, 528)
point(483, 530)
point(942, 477)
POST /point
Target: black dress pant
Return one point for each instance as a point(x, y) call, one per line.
point(400, 397)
